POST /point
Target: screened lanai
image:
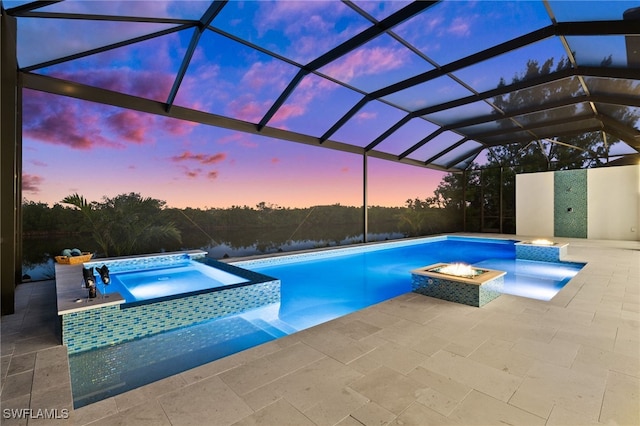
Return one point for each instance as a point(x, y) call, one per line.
point(441, 85)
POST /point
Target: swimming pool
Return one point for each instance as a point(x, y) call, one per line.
point(345, 280)
point(315, 287)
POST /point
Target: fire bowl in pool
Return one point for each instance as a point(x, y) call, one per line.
point(458, 283)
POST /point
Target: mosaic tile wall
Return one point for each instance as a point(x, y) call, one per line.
point(570, 203)
point(455, 291)
point(541, 253)
point(115, 324)
point(114, 368)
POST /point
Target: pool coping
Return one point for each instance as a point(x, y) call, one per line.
point(72, 296)
point(280, 258)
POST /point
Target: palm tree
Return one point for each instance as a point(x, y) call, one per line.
point(126, 224)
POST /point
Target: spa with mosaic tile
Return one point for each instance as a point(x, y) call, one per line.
point(108, 319)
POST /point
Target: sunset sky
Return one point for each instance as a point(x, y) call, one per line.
point(95, 150)
point(102, 151)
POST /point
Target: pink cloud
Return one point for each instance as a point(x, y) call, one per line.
point(366, 116)
point(433, 23)
point(216, 158)
point(345, 170)
point(176, 127)
point(192, 92)
point(459, 27)
point(31, 183)
point(369, 61)
point(246, 109)
point(192, 173)
point(212, 175)
point(309, 25)
point(265, 75)
point(61, 121)
point(84, 125)
point(275, 160)
point(286, 112)
point(239, 138)
point(246, 143)
point(287, 15)
point(130, 125)
point(200, 158)
point(310, 88)
point(39, 163)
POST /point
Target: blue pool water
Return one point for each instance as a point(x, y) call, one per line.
point(191, 276)
point(314, 289)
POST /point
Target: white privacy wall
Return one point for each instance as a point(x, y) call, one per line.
point(613, 203)
point(534, 204)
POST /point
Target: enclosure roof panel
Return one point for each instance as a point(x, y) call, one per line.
point(426, 83)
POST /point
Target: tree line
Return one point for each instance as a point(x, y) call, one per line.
point(130, 223)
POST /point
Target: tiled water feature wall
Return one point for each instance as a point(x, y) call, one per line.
point(106, 324)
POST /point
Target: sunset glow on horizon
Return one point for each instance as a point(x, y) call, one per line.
point(106, 151)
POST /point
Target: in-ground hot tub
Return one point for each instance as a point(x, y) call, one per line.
point(173, 277)
point(154, 293)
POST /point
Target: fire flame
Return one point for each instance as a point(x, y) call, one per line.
point(458, 269)
point(542, 242)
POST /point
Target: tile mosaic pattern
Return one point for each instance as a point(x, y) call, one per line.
point(103, 326)
point(570, 203)
point(455, 291)
point(107, 371)
point(541, 253)
point(146, 262)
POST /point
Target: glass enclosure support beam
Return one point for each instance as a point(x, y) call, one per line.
point(500, 201)
point(464, 200)
point(481, 201)
point(365, 203)
point(10, 166)
point(632, 43)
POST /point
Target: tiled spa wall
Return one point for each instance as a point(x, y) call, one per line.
point(107, 325)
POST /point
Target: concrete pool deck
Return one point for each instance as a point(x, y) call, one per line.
point(412, 360)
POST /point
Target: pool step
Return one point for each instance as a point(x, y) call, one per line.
point(275, 328)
